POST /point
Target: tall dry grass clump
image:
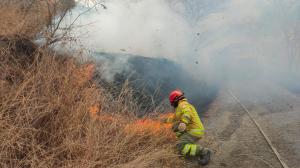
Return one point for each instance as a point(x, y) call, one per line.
point(25, 17)
point(32, 17)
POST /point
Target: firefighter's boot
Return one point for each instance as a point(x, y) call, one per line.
point(204, 156)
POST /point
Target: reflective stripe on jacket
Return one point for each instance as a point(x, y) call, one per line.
point(186, 113)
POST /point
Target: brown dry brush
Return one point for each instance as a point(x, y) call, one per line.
point(45, 120)
point(35, 18)
point(26, 17)
point(45, 101)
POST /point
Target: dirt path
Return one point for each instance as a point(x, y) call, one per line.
point(237, 141)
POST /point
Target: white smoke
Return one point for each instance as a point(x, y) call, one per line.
point(256, 29)
point(211, 37)
point(148, 28)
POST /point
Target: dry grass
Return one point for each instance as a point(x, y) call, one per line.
point(29, 17)
point(45, 119)
point(45, 102)
point(22, 17)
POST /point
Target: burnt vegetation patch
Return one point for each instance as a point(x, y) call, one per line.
point(151, 80)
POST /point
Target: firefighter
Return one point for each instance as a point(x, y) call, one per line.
point(188, 128)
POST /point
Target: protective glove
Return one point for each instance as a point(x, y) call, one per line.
point(181, 127)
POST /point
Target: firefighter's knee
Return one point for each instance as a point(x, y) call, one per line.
point(189, 150)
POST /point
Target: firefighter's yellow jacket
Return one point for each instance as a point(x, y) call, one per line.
point(186, 113)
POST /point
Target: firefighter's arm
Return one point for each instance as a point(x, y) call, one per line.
point(186, 116)
point(168, 119)
point(185, 119)
point(181, 125)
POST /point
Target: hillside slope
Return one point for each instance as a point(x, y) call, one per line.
point(53, 115)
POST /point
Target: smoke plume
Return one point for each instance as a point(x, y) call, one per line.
point(218, 38)
point(214, 41)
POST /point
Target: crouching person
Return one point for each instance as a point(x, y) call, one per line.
point(188, 128)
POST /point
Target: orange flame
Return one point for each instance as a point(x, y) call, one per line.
point(151, 126)
point(103, 117)
point(94, 110)
point(141, 126)
point(148, 125)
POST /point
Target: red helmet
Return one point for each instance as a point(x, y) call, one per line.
point(175, 96)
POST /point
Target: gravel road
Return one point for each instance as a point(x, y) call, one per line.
point(236, 140)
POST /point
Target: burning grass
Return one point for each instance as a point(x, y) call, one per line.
point(53, 115)
point(48, 110)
